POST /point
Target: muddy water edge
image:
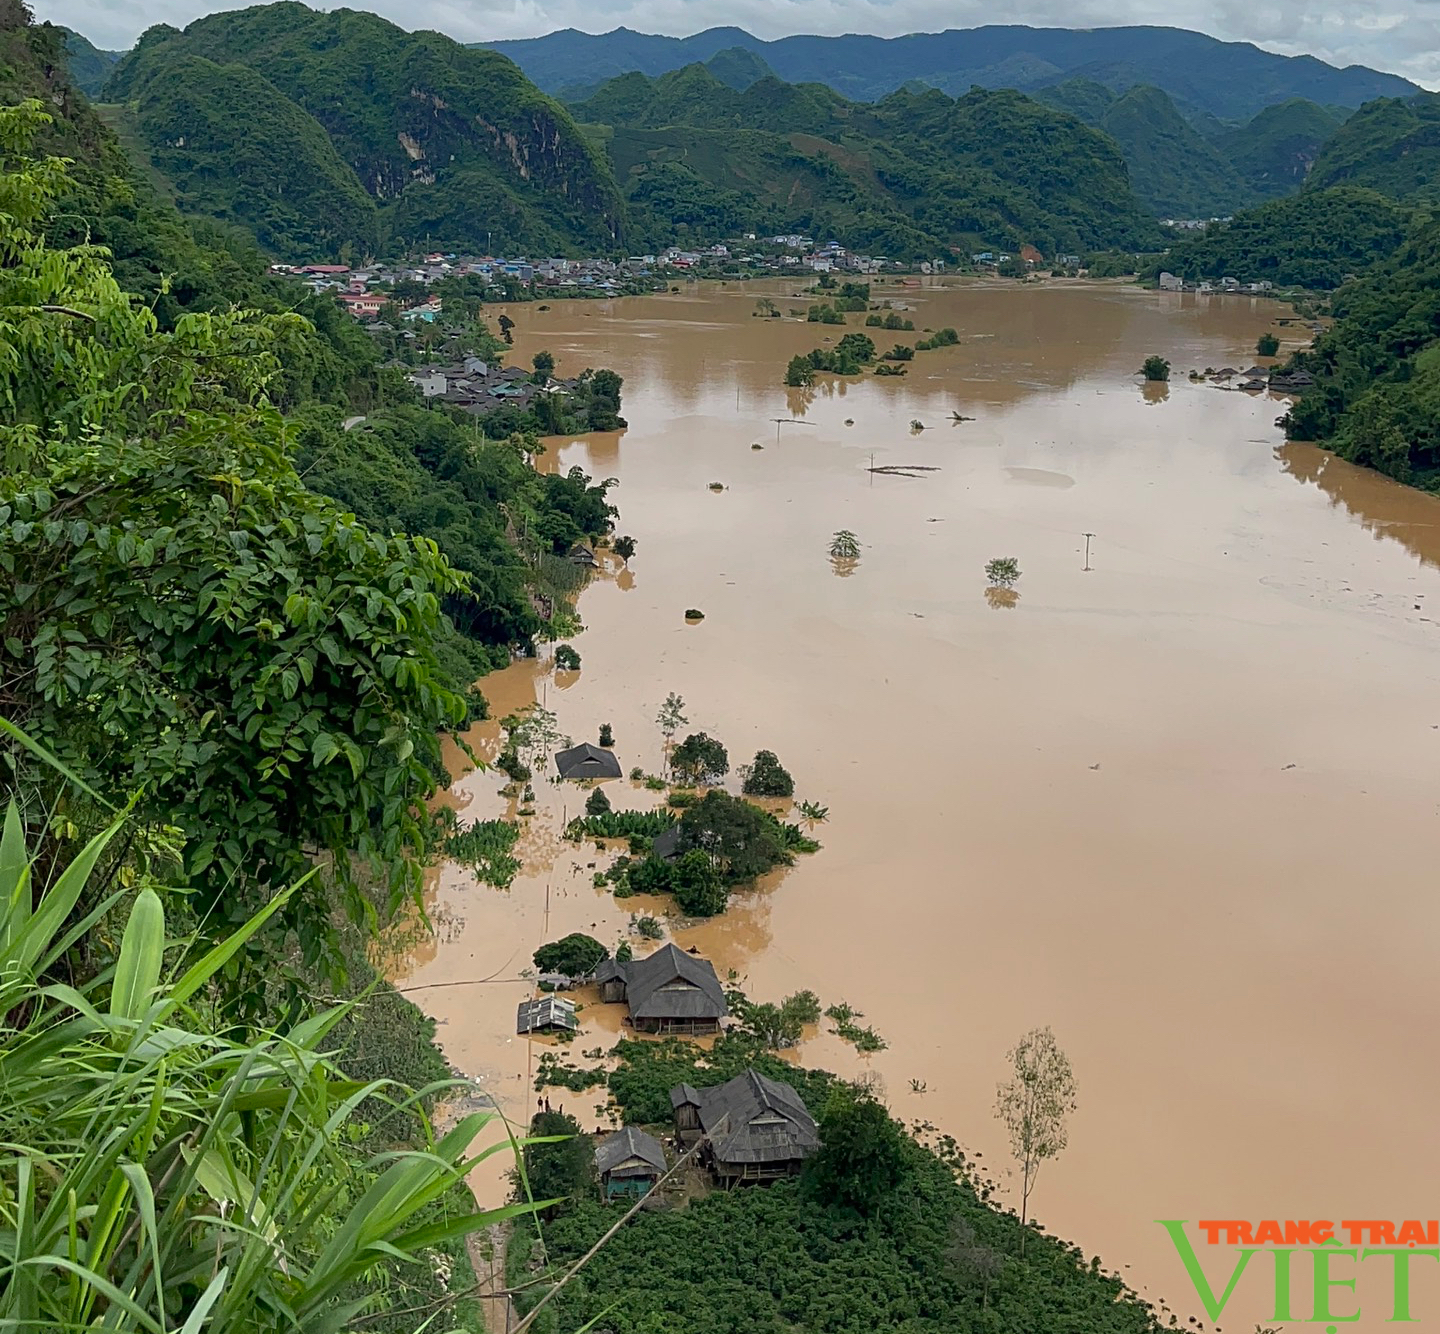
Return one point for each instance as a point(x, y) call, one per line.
point(1179, 806)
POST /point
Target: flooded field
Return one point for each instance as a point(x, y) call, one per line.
point(1179, 806)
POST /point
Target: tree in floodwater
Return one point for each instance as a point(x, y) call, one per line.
point(624, 547)
point(844, 546)
point(1003, 571)
point(1267, 345)
point(700, 758)
point(1033, 1105)
point(799, 372)
point(1155, 368)
point(671, 717)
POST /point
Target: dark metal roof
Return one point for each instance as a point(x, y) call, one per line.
point(613, 1154)
point(608, 970)
point(545, 1012)
point(683, 1093)
point(671, 984)
point(587, 761)
point(667, 844)
point(753, 1119)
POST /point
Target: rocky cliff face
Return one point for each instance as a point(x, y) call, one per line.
point(454, 140)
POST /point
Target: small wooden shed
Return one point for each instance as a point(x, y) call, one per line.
point(546, 1013)
point(629, 1163)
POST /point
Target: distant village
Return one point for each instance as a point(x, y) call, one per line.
point(365, 291)
point(1169, 282)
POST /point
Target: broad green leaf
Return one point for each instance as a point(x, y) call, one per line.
point(142, 951)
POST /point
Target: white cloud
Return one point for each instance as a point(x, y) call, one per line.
point(1398, 35)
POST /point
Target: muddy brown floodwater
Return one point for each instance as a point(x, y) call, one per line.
point(1182, 806)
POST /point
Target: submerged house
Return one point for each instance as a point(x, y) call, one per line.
point(758, 1129)
point(666, 992)
point(629, 1163)
point(546, 1014)
point(587, 761)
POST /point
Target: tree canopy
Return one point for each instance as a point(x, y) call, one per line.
point(183, 618)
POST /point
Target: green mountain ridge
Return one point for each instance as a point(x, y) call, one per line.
point(1174, 170)
point(89, 66)
point(738, 68)
point(1230, 81)
point(236, 148)
point(454, 146)
point(1391, 145)
point(914, 174)
point(1275, 151)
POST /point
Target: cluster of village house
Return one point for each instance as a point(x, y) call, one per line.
point(1169, 282)
point(479, 387)
point(365, 291)
point(750, 1129)
point(1261, 377)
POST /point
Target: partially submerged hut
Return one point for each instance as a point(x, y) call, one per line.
point(587, 761)
point(629, 1163)
point(666, 992)
point(758, 1129)
point(666, 845)
point(546, 1014)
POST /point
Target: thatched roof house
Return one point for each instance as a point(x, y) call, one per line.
point(667, 992)
point(757, 1127)
point(587, 761)
point(629, 1163)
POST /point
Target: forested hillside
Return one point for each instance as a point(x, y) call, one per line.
point(912, 175)
point(220, 694)
point(1377, 397)
point(1391, 145)
point(89, 66)
point(1275, 152)
point(311, 363)
point(1176, 172)
point(235, 148)
point(1229, 81)
point(1315, 239)
point(454, 147)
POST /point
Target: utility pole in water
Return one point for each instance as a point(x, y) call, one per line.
point(1088, 536)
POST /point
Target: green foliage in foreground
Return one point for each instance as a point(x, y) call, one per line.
point(163, 1167)
point(410, 469)
point(880, 1234)
point(181, 616)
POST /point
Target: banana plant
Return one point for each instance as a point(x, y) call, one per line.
point(158, 1175)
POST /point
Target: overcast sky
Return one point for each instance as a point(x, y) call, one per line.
point(1398, 35)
